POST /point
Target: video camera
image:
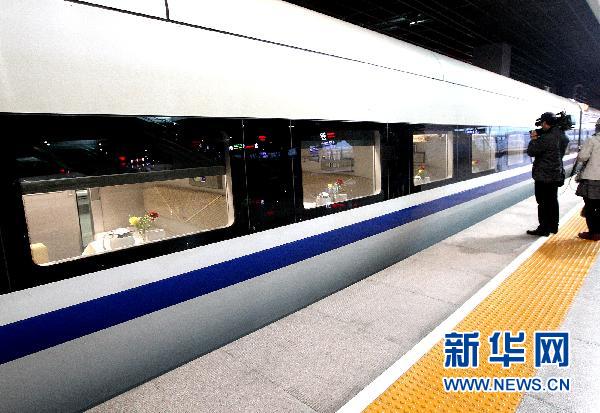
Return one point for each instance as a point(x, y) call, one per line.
point(560, 120)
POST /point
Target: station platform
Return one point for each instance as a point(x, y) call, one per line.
point(377, 345)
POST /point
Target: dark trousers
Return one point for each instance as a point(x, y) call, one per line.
point(592, 214)
point(546, 195)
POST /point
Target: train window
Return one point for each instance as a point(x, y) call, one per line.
point(433, 154)
point(483, 151)
point(498, 134)
point(340, 161)
point(92, 185)
point(573, 135)
point(517, 142)
point(511, 147)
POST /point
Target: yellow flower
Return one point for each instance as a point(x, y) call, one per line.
point(134, 221)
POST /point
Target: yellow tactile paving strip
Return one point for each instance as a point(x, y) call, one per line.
point(536, 296)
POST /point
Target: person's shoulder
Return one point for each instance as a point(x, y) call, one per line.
point(591, 143)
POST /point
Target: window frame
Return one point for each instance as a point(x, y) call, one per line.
point(430, 128)
point(24, 273)
point(303, 213)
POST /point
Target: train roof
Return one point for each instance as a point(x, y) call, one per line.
point(241, 58)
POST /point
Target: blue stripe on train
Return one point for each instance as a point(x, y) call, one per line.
point(37, 333)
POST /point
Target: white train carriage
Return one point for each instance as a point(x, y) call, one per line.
point(177, 178)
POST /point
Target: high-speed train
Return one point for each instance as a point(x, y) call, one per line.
point(177, 174)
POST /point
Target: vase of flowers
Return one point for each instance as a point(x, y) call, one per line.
point(420, 176)
point(339, 194)
point(143, 223)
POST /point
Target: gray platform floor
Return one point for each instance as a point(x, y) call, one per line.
point(318, 358)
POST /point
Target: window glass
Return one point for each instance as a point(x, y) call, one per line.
point(573, 135)
point(517, 141)
point(433, 154)
point(339, 162)
point(587, 123)
point(498, 135)
point(92, 185)
point(511, 147)
point(483, 151)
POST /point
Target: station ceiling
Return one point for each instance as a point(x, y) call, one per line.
point(555, 44)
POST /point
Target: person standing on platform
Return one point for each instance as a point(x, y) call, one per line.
point(589, 184)
point(547, 146)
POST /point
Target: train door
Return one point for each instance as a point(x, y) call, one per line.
point(269, 179)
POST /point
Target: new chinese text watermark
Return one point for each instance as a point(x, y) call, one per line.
point(462, 351)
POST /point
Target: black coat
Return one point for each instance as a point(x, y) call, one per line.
point(548, 150)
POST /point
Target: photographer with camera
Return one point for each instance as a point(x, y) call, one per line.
point(547, 146)
point(589, 184)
